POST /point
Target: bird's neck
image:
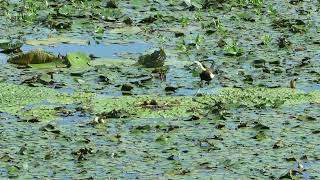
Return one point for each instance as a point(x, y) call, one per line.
point(200, 65)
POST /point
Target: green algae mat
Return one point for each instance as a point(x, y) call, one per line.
point(109, 89)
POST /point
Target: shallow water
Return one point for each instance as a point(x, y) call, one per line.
point(309, 88)
point(3, 58)
point(226, 142)
point(98, 50)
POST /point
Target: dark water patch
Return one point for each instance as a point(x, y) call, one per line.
point(99, 50)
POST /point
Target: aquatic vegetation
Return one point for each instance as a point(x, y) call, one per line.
point(232, 48)
point(113, 105)
point(266, 39)
point(78, 60)
point(38, 56)
point(10, 46)
point(153, 60)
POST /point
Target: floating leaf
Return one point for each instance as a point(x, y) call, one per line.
point(110, 62)
point(139, 3)
point(8, 46)
point(78, 60)
point(50, 65)
point(55, 40)
point(126, 30)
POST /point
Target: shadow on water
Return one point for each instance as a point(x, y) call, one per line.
point(99, 50)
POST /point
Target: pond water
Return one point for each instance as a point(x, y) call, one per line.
point(99, 50)
point(166, 126)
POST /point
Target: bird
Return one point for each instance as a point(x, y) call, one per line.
point(206, 73)
point(293, 83)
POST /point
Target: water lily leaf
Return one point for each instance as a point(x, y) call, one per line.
point(139, 3)
point(55, 40)
point(50, 65)
point(126, 30)
point(193, 3)
point(13, 171)
point(38, 56)
point(4, 42)
point(110, 62)
point(78, 60)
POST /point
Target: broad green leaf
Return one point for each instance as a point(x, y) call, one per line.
point(78, 60)
point(139, 3)
point(126, 30)
point(55, 40)
point(50, 65)
point(110, 62)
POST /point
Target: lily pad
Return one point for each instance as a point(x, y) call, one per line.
point(110, 62)
point(78, 60)
point(50, 65)
point(55, 40)
point(139, 3)
point(8, 46)
point(126, 30)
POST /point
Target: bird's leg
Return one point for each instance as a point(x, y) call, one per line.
point(198, 91)
point(202, 83)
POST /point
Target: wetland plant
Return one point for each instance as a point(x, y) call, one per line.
point(272, 11)
point(232, 48)
point(198, 41)
point(153, 60)
point(283, 42)
point(184, 21)
point(265, 39)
